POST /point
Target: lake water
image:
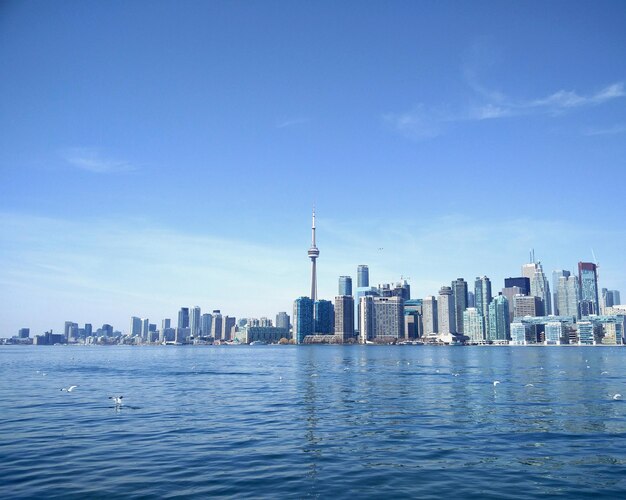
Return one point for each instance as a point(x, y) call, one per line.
point(312, 421)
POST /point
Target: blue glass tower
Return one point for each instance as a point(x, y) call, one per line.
point(302, 319)
point(345, 285)
point(324, 315)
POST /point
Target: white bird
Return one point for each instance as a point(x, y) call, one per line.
point(529, 385)
point(70, 388)
point(117, 399)
point(496, 382)
point(604, 373)
point(617, 396)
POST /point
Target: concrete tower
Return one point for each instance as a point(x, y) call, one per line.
point(314, 253)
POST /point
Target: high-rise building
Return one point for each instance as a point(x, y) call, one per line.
point(471, 302)
point(522, 282)
point(382, 318)
point(588, 284)
point(527, 305)
point(459, 290)
point(567, 294)
point(23, 333)
point(216, 324)
point(482, 298)
point(302, 319)
point(313, 253)
point(135, 326)
point(499, 319)
point(446, 315)
point(362, 276)
point(555, 289)
point(539, 285)
point(206, 320)
point(344, 317)
point(183, 317)
point(510, 293)
point(282, 320)
point(474, 324)
point(429, 315)
point(88, 329)
point(228, 327)
point(345, 285)
point(413, 325)
point(166, 323)
point(324, 317)
point(194, 321)
point(145, 328)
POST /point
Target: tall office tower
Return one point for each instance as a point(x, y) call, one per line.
point(68, 328)
point(23, 333)
point(386, 319)
point(88, 330)
point(282, 320)
point(135, 326)
point(216, 325)
point(527, 305)
point(314, 253)
point(324, 316)
point(228, 327)
point(588, 283)
point(366, 318)
point(401, 289)
point(459, 290)
point(345, 285)
point(166, 323)
point(510, 294)
point(194, 321)
point(446, 316)
point(344, 317)
point(474, 325)
point(567, 294)
point(205, 324)
point(362, 276)
point(616, 300)
point(145, 328)
point(429, 315)
point(413, 325)
point(522, 282)
point(471, 302)
point(555, 289)
point(539, 285)
point(482, 298)
point(499, 319)
point(183, 317)
point(302, 319)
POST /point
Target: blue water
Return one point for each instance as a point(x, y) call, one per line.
point(312, 421)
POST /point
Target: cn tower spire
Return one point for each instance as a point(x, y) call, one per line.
point(313, 255)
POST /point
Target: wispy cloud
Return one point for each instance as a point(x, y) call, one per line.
point(291, 122)
point(91, 160)
point(620, 128)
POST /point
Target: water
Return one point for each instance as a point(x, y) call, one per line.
point(312, 421)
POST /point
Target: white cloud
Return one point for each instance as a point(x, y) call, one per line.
point(90, 159)
point(614, 130)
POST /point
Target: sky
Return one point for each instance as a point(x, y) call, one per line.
point(158, 155)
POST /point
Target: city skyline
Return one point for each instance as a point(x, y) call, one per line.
point(148, 168)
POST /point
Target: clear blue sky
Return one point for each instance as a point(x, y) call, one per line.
point(155, 155)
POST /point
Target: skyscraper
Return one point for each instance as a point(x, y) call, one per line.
point(382, 318)
point(555, 289)
point(474, 325)
point(459, 290)
point(324, 316)
point(523, 282)
point(588, 283)
point(539, 285)
point(166, 323)
point(567, 294)
point(194, 321)
point(482, 298)
point(135, 326)
point(183, 317)
point(282, 320)
point(413, 325)
point(362, 276)
point(314, 253)
point(429, 315)
point(145, 328)
point(345, 285)
point(499, 319)
point(446, 312)
point(302, 319)
point(527, 305)
point(216, 325)
point(205, 324)
point(344, 317)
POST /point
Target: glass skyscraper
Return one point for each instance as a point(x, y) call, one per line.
point(459, 290)
point(324, 315)
point(499, 319)
point(345, 285)
point(302, 319)
point(362, 276)
point(588, 283)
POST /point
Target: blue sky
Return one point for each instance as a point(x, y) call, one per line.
point(155, 155)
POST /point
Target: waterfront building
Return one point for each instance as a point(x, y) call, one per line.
point(194, 321)
point(474, 325)
point(382, 318)
point(23, 333)
point(554, 333)
point(183, 317)
point(588, 284)
point(430, 315)
point(363, 292)
point(586, 333)
point(482, 298)
point(282, 320)
point(324, 317)
point(135, 326)
point(206, 320)
point(216, 324)
point(362, 276)
point(556, 275)
point(459, 291)
point(313, 253)
point(522, 282)
point(302, 319)
point(88, 329)
point(413, 325)
point(344, 317)
point(445, 311)
point(345, 285)
point(567, 295)
point(521, 333)
point(228, 327)
point(267, 334)
point(499, 319)
point(166, 323)
point(182, 335)
point(145, 328)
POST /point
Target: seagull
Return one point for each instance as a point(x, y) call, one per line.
point(70, 388)
point(529, 385)
point(496, 382)
point(617, 396)
point(604, 373)
point(117, 399)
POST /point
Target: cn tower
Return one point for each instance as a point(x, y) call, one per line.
point(314, 253)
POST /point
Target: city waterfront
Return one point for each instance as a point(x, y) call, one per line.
point(312, 421)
